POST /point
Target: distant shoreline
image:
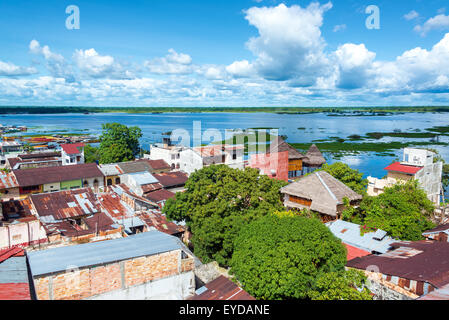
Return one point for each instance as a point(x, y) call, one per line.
point(332, 111)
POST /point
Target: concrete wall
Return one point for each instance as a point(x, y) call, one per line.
point(22, 234)
point(49, 187)
point(276, 162)
point(9, 193)
point(190, 161)
point(177, 287)
point(134, 278)
point(67, 185)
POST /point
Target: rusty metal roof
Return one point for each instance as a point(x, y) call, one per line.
point(158, 164)
point(172, 179)
point(222, 289)
point(65, 204)
point(148, 188)
point(17, 209)
point(419, 260)
point(112, 204)
point(39, 176)
point(8, 180)
point(159, 195)
point(155, 219)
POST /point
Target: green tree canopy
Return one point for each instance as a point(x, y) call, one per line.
point(91, 154)
point(350, 177)
point(277, 258)
point(403, 211)
point(119, 143)
point(343, 285)
point(217, 202)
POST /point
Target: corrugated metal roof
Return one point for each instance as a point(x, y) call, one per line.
point(414, 260)
point(66, 204)
point(8, 180)
point(90, 254)
point(14, 270)
point(398, 167)
point(112, 169)
point(143, 178)
point(439, 294)
point(350, 233)
point(73, 148)
point(221, 289)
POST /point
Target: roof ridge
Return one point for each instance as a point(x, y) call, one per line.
point(326, 186)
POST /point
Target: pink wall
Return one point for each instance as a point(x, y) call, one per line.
point(273, 162)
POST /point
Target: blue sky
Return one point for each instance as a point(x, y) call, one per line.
point(224, 53)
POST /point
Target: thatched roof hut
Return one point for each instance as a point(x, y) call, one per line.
point(279, 145)
point(324, 192)
point(314, 157)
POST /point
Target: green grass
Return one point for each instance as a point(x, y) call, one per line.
point(354, 148)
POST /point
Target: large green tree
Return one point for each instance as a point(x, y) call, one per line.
point(343, 285)
point(350, 177)
point(91, 154)
point(217, 202)
point(403, 211)
point(119, 143)
point(281, 257)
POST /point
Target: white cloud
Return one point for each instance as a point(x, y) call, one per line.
point(9, 69)
point(55, 62)
point(289, 45)
point(339, 27)
point(240, 69)
point(172, 63)
point(411, 15)
point(354, 63)
point(439, 22)
point(97, 66)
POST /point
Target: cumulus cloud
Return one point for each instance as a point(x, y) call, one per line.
point(439, 22)
point(9, 69)
point(97, 66)
point(172, 63)
point(56, 63)
point(290, 45)
point(411, 15)
point(241, 69)
point(354, 63)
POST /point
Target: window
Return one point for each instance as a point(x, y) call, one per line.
point(117, 180)
point(109, 182)
point(234, 155)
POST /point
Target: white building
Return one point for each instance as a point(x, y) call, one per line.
point(417, 164)
point(72, 154)
point(196, 158)
point(169, 153)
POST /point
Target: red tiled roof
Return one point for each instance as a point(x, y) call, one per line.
point(72, 148)
point(354, 252)
point(223, 289)
point(398, 167)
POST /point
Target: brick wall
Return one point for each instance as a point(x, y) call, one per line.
point(96, 280)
